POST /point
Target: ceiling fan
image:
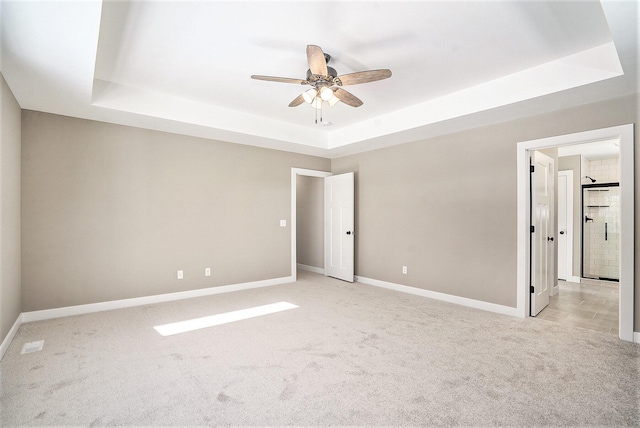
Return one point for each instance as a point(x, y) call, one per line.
point(326, 85)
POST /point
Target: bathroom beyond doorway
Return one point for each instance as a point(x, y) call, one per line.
point(590, 304)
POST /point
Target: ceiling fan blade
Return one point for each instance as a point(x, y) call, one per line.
point(295, 103)
point(317, 62)
point(364, 77)
point(280, 79)
point(347, 98)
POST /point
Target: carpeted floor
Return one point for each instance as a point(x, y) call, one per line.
point(351, 354)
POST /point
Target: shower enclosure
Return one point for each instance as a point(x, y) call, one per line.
point(601, 231)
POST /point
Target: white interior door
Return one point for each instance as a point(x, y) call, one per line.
point(542, 258)
point(338, 226)
point(565, 225)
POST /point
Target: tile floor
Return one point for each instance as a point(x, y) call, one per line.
point(590, 304)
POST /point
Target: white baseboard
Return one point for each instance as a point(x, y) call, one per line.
point(147, 300)
point(478, 304)
point(311, 268)
point(12, 333)
point(636, 336)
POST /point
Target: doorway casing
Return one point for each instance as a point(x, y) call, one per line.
point(294, 207)
point(625, 134)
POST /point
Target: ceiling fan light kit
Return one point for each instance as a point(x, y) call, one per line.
point(326, 94)
point(326, 85)
point(309, 95)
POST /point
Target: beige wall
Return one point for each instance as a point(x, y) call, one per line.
point(572, 163)
point(310, 221)
point(446, 207)
point(112, 212)
point(10, 306)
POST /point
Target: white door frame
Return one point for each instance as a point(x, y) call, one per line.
point(625, 134)
point(294, 188)
point(569, 205)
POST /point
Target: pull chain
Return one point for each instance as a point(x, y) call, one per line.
point(321, 103)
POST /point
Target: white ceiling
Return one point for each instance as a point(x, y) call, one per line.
point(185, 67)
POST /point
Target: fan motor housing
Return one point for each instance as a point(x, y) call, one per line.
point(331, 72)
point(317, 80)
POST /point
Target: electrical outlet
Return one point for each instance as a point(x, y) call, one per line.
point(180, 274)
point(207, 271)
point(404, 270)
point(283, 223)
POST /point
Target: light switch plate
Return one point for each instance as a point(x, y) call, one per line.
point(283, 223)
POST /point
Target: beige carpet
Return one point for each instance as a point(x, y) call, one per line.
point(351, 354)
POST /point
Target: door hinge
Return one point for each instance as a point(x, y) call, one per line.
point(533, 229)
point(531, 289)
point(532, 168)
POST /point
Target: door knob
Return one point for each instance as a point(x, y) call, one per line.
point(348, 232)
point(549, 238)
point(562, 232)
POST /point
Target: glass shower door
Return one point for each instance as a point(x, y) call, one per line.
point(601, 231)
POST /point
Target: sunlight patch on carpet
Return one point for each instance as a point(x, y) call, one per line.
point(32, 347)
point(219, 319)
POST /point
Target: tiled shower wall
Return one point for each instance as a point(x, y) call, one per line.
point(605, 170)
point(602, 255)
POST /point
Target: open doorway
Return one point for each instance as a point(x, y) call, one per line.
point(624, 134)
point(310, 223)
point(311, 182)
point(337, 205)
point(586, 289)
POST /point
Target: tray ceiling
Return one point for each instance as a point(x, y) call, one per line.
point(185, 67)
